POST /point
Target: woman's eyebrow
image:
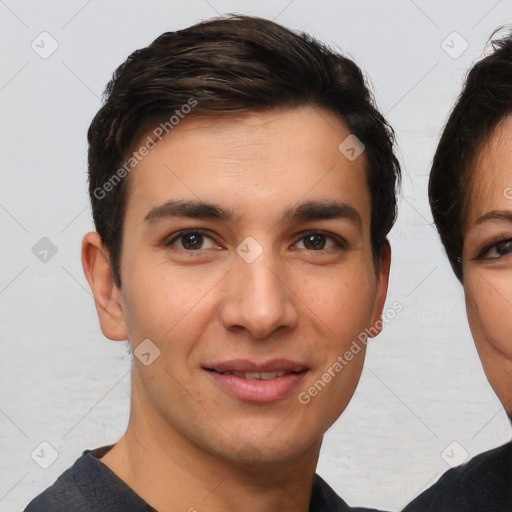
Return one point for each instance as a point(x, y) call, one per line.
point(309, 210)
point(501, 215)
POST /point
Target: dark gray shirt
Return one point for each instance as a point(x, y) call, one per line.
point(484, 484)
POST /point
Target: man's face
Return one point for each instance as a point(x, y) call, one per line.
point(268, 286)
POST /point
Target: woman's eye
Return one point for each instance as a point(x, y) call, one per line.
point(318, 241)
point(498, 250)
point(191, 241)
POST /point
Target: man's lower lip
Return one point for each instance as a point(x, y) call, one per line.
point(258, 390)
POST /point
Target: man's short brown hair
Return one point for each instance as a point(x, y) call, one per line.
point(221, 66)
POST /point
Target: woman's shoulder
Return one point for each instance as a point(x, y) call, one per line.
point(325, 499)
point(484, 483)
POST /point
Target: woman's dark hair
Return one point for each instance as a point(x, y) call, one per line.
point(485, 100)
point(229, 65)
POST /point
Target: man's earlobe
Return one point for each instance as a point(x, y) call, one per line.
point(381, 290)
point(107, 297)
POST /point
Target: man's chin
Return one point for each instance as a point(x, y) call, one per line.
point(258, 452)
point(293, 448)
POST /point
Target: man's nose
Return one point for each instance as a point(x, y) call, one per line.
point(259, 296)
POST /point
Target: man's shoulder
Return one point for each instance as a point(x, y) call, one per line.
point(88, 486)
point(64, 495)
point(482, 484)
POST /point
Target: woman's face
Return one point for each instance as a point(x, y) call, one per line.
point(487, 259)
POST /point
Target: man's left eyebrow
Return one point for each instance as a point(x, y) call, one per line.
point(323, 210)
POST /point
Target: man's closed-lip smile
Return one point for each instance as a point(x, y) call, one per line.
point(258, 382)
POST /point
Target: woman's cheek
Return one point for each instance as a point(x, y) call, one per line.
point(489, 310)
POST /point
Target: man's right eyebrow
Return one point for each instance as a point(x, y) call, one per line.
point(191, 209)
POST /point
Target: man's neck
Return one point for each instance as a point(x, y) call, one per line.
point(174, 475)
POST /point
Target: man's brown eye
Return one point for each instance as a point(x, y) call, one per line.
point(190, 241)
point(314, 241)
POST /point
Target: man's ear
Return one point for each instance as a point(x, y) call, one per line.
point(107, 297)
point(381, 291)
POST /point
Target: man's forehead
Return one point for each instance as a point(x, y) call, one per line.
point(183, 165)
point(293, 127)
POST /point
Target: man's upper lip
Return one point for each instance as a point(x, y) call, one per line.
point(246, 365)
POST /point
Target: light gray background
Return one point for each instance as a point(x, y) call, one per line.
point(62, 382)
